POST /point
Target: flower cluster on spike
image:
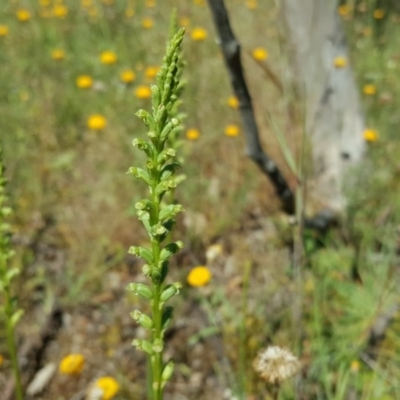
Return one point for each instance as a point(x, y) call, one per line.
point(155, 213)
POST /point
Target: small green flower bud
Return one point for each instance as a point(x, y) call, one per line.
point(158, 345)
point(155, 275)
point(150, 164)
point(146, 117)
point(155, 96)
point(158, 230)
point(142, 319)
point(167, 372)
point(146, 269)
point(141, 289)
point(143, 215)
point(170, 291)
point(169, 211)
point(140, 173)
point(141, 252)
point(144, 345)
point(152, 135)
point(166, 155)
point(170, 249)
point(175, 122)
point(169, 170)
point(142, 205)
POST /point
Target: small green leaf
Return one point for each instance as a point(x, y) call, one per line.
point(167, 373)
point(16, 317)
point(10, 274)
point(167, 315)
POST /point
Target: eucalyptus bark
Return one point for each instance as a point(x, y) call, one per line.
point(334, 120)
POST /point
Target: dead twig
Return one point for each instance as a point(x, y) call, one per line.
point(231, 51)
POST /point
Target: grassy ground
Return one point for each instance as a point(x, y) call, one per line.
point(74, 217)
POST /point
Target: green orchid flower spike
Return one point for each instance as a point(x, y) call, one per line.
point(8, 306)
point(156, 215)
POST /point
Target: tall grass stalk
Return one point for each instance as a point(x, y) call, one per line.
point(156, 216)
point(8, 309)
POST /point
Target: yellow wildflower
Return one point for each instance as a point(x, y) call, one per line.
point(127, 76)
point(24, 95)
point(4, 30)
point(344, 10)
point(108, 2)
point(109, 387)
point(198, 34)
point(86, 3)
point(355, 366)
point(251, 4)
point(143, 92)
point(367, 31)
point(1, 360)
point(60, 11)
point(150, 3)
point(340, 62)
point(192, 134)
point(260, 54)
point(147, 23)
point(129, 12)
point(96, 122)
point(108, 57)
point(199, 3)
point(58, 54)
point(184, 21)
point(233, 102)
point(151, 72)
point(370, 135)
point(44, 3)
point(232, 130)
point(379, 13)
point(84, 81)
point(23, 15)
point(72, 364)
point(369, 90)
point(199, 276)
point(93, 12)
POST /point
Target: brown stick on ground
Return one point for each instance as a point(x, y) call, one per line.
point(231, 51)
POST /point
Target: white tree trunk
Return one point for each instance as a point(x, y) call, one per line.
point(334, 119)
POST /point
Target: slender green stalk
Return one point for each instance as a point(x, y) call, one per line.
point(12, 346)
point(8, 309)
point(242, 331)
point(157, 214)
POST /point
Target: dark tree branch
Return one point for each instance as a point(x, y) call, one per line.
point(231, 51)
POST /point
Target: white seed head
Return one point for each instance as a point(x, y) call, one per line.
point(275, 364)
